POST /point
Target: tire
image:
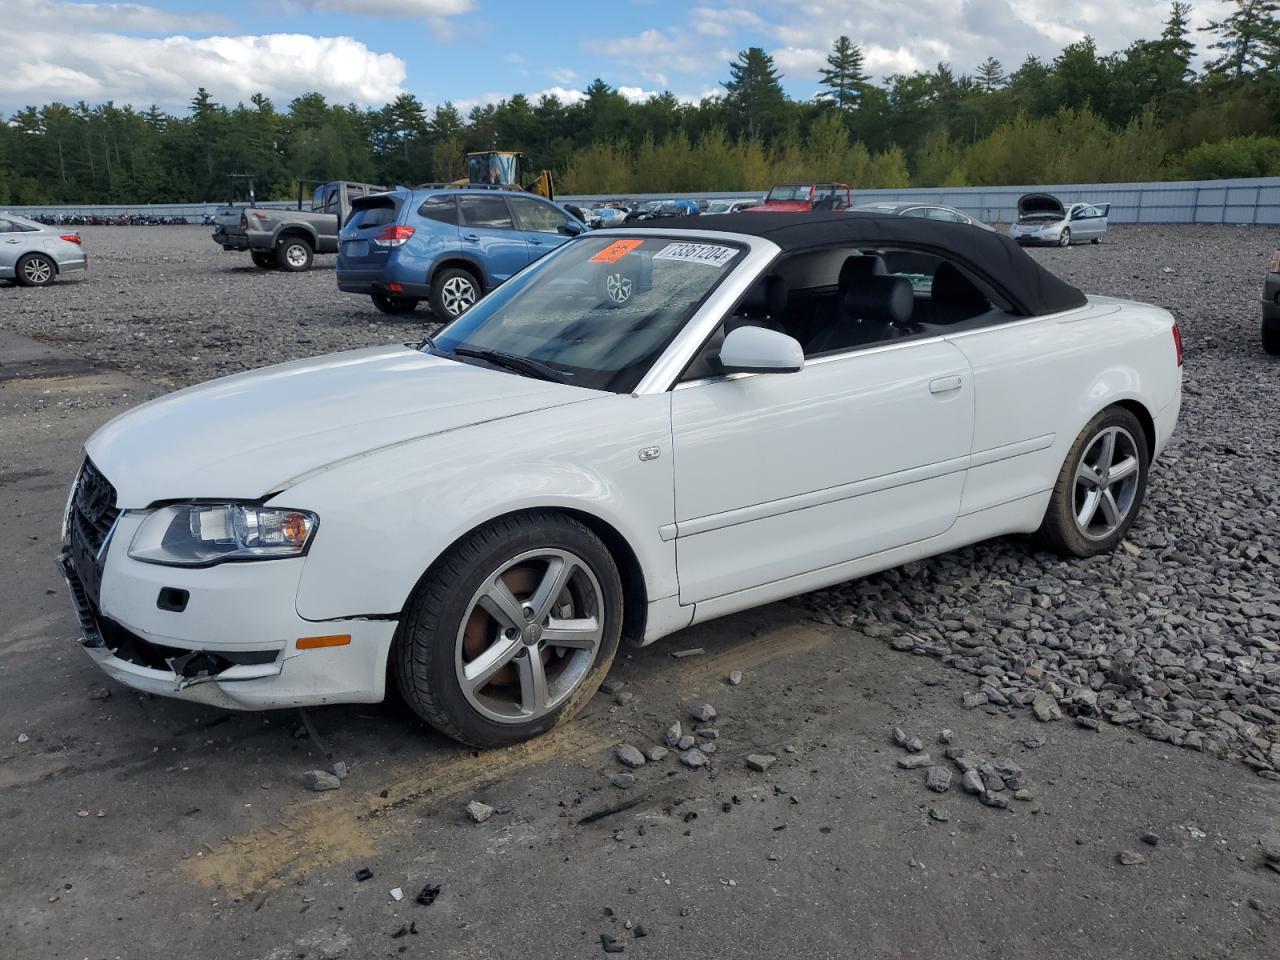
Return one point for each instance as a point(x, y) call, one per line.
point(453, 291)
point(447, 629)
point(35, 270)
point(1095, 240)
point(1065, 239)
point(294, 255)
point(393, 305)
point(266, 259)
point(1271, 337)
point(1076, 494)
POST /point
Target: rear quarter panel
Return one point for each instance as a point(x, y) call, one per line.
point(1038, 382)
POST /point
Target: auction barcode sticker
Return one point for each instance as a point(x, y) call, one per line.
point(708, 253)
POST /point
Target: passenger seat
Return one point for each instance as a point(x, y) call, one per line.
point(874, 309)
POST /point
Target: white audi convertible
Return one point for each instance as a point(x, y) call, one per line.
point(648, 428)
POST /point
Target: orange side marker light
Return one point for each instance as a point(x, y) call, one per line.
point(315, 643)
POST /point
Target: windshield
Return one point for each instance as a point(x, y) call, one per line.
point(595, 314)
point(790, 191)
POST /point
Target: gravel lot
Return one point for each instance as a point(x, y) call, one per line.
point(812, 826)
point(1179, 635)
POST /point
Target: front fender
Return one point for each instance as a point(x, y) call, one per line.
point(385, 518)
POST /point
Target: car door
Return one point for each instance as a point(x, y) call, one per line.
point(777, 475)
point(10, 243)
point(488, 232)
point(1082, 225)
point(544, 227)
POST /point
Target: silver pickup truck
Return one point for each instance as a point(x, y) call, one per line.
point(290, 238)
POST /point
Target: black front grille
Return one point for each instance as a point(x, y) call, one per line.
point(93, 506)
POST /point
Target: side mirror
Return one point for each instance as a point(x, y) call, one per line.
point(571, 228)
point(758, 350)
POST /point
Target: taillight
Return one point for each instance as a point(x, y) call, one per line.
point(244, 222)
point(393, 236)
point(1177, 343)
point(71, 238)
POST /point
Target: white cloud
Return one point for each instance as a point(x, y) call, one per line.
point(137, 70)
point(563, 76)
point(397, 9)
point(724, 21)
point(654, 54)
point(118, 17)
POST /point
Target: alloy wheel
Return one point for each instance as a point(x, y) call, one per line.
point(530, 635)
point(37, 270)
point(1065, 239)
point(458, 293)
point(1106, 483)
point(296, 254)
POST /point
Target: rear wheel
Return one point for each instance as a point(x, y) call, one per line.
point(1095, 240)
point(1100, 487)
point(511, 631)
point(35, 270)
point(1065, 239)
point(453, 291)
point(1271, 337)
point(266, 259)
point(393, 305)
point(294, 254)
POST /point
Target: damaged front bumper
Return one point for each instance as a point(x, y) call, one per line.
point(234, 643)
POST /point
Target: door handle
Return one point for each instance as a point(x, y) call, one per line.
point(471, 236)
point(945, 384)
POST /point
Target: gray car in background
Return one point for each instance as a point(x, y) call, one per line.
point(924, 211)
point(32, 254)
point(1044, 219)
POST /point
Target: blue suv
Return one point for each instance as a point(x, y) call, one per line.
point(446, 245)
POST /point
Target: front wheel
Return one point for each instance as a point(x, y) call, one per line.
point(1100, 487)
point(35, 270)
point(1065, 239)
point(294, 254)
point(393, 305)
point(512, 631)
point(265, 259)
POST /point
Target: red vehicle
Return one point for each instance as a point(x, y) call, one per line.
point(803, 197)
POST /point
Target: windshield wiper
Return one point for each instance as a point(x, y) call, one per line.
point(525, 365)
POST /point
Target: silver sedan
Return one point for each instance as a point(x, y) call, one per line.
point(923, 211)
point(33, 254)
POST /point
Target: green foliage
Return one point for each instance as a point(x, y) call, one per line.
point(1136, 114)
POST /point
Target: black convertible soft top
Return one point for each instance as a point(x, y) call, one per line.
point(999, 261)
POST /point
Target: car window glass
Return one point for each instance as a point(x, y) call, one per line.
point(440, 209)
point(917, 212)
point(938, 213)
point(5, 226)
point(488, 212)
point(535, 216)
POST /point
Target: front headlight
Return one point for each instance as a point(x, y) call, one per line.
point(200, 534)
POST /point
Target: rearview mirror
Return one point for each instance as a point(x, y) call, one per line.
point(758, 350)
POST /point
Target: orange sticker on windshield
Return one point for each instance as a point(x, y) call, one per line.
point(616, 251)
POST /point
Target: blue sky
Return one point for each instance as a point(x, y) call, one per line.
point(472, 51)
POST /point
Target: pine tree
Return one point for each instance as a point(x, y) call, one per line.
point(843, 76)
point(754, 93)
point(990, 75)
point(1248, 39)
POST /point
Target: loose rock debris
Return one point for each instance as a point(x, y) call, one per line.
point(760, 762)
point(320, 781)
point(629, 756)
point(427, 895)
point(479, 812)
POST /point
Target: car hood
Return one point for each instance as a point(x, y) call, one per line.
point(1040, 203)
point(254, 434)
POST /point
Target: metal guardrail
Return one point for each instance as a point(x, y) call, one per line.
point(1251, 201)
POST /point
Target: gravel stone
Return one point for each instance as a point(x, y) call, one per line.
point(1151, 838)
point(760, 762)
point(629, 756)
point(654, 754)
point(996, 799)
point(694, 758)
point(939, 814)
point(1045, 708)
point(623, 781)
point(100, 693)
point(938, 779)
point(946, 736)
point(735, 677)
point(479, 812)
point(320, 781)
point(1130, 858)
point(915, 761)
point(685, 742)
point(703, 713)
point(673, 734)
point(340, 769)
point(971, 782)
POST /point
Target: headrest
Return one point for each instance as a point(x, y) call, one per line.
point(881, 299)
point(859, 266)
point(953, 287)
point(766, 298)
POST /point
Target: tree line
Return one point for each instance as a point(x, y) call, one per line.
point(1143, 113)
